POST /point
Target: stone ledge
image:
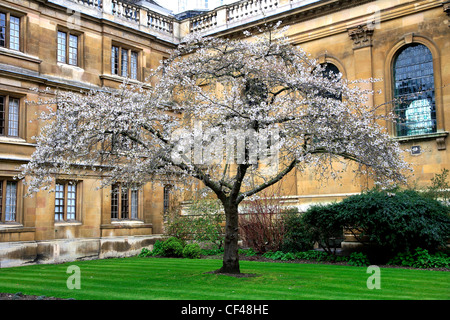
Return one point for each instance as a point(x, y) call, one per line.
point(428, 136)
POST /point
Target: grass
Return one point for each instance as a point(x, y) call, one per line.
point(185, 279)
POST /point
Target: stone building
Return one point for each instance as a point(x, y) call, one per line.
point(73, 44)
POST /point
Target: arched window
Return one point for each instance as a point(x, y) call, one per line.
point(414, 91)
point(331, 72)
point(330, 69)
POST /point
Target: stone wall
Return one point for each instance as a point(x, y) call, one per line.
point(13, 254)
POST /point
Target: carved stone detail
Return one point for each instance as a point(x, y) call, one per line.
point(447, 9)
point(441, 143)
point(361, 36)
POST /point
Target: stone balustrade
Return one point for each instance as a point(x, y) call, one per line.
point(246, 9)
point(203, 22)
point(159, 22)
point(90, 3)
point(140, 16)
point(126, 10)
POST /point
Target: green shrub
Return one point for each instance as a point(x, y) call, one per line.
point(312, 255)
point(192, 251)
point(145, 253)
point(324, 226)
point(248, 252)
point(398, 221)
point(277, 255)
point(395, 221)
point(212, 252)
point(421, 258)
point(298, 236)
point(358, 259)
point(288, 256)
point(172, 247)
point(157, 250)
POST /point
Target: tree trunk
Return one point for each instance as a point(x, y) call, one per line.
point(231, 255)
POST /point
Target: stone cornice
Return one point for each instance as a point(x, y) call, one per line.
point(344, 25)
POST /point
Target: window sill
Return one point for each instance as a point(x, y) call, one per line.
point(117, 78)
point(428, 136)
point(67, 223)
point(10, 225)
point(127, 222)
point(15, 140)
point(19, 55)
point(71, 66)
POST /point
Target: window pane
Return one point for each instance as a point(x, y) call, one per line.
point(115, 202)
point(124, 204)
point(115, 60)
point(2, 30)
point(166, 198)
point(62, 37)
point(134, 65)
point(73, 50)
point(71, 201)
point(13, 117)
point(414, 91)
point(124, 63)
point(14, 31)
point(134, 204)
point(59, 202)
point(10, 201)
point(2, 115)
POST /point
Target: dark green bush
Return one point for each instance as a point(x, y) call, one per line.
point(192, 251)
point(297, 235)
point(172, 247)
point(324, 226)
point(396, 221)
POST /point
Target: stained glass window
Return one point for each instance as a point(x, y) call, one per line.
point(414, 91)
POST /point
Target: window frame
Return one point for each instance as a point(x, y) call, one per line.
point(119, 201)
point(433, 108)
point(388, 86)
point(117, 67)
point(7, 32)
point(6, 111)
point(4, 181)
point(166, 197)
point(77, 207)
point(67, 47)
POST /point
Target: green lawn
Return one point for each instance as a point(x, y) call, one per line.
point(180, 279)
